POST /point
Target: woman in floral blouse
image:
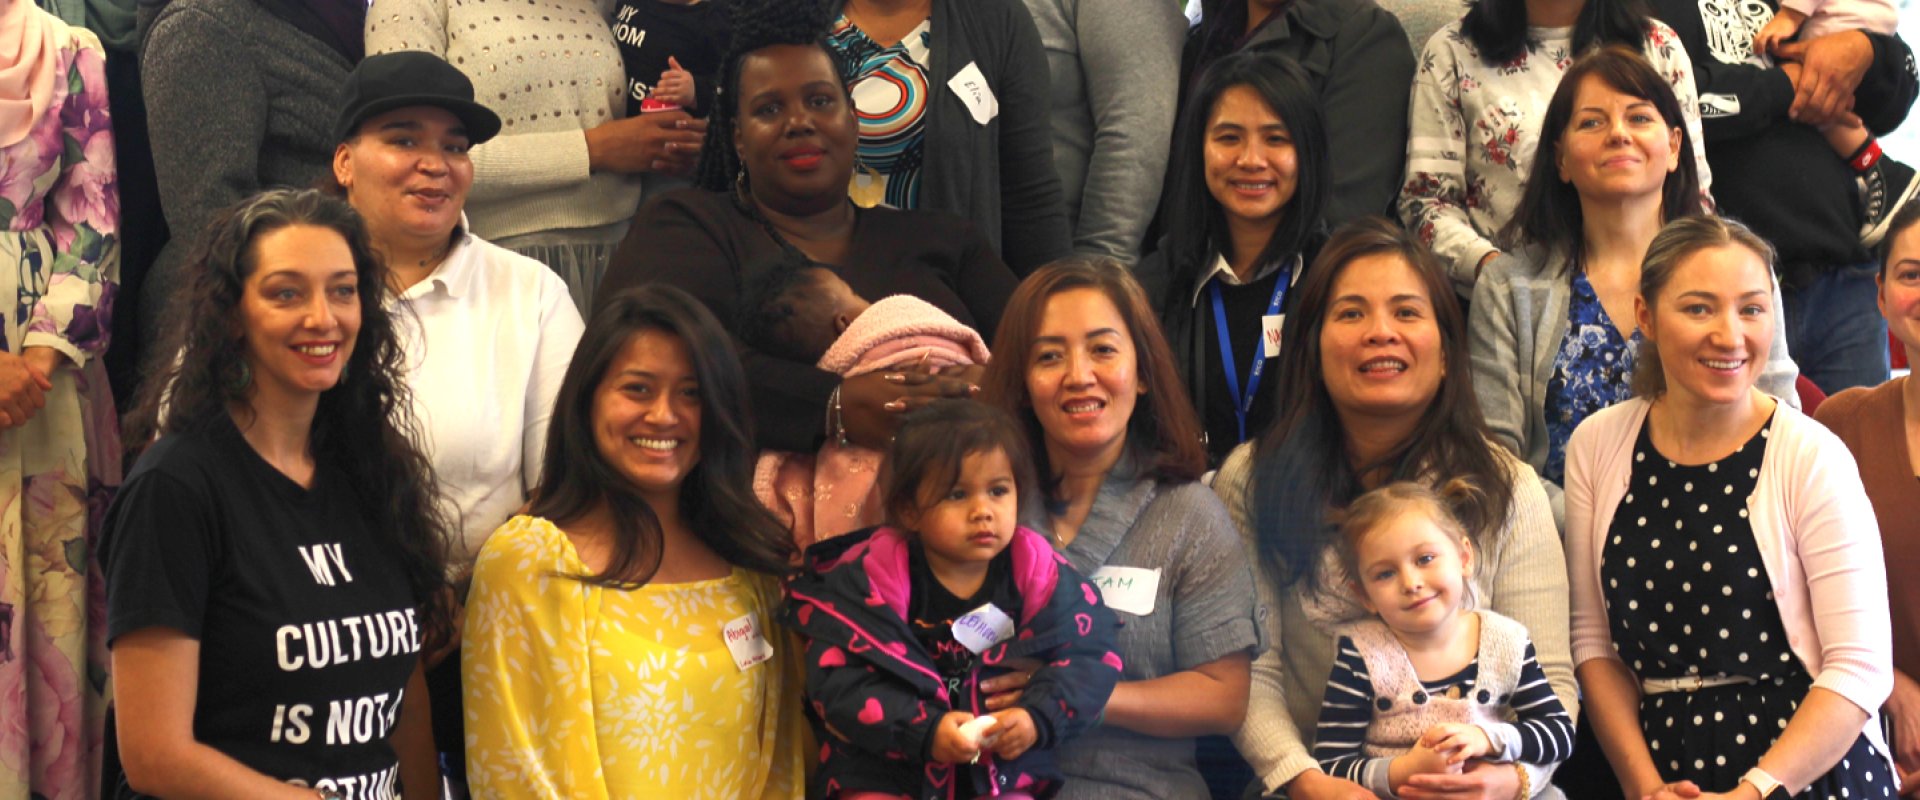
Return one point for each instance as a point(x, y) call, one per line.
point(1478, 96)
point(59, 445)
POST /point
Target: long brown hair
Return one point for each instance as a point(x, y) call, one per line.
point(1302, 470)
point(1164, 431)
point(1550, 212)
point(716, 496)
point(363, 427)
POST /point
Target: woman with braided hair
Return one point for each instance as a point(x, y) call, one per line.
point(773, 181)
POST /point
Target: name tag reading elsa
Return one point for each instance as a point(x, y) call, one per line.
point(982, 628)
point(1129, 589)
point(749, 648)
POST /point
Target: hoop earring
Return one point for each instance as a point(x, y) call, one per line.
point(242, 378)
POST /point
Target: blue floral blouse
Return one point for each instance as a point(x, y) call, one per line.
point(1593, 370)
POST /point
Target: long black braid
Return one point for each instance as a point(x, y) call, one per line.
point(757, 24)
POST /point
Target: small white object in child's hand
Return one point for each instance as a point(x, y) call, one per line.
point(971, 730)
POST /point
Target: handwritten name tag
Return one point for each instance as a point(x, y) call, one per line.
point(749, 648)
point(972, 88)
point(1270, 326)
point(982, 628)
point(1129, 589)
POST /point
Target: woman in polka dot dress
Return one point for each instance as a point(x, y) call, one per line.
point(1729, 601)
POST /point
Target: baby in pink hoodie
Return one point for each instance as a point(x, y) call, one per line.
point(805, 312)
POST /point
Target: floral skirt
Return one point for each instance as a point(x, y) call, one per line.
point(57, 474)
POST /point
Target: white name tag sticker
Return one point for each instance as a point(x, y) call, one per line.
point(982, 628)
point(1129, 589)
point(973, 90)
point(749, 648)
point(1270, 326)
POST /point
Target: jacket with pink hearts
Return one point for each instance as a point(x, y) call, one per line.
point(874, 695)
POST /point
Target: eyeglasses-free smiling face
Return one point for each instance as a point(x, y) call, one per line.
point(1380, 351)
point(407, 172)
point(646, 415)
point(795, 134)
point(1616, 144)
point(1712, 325)
point(1083, 377)
point(1251, 167)
point(1900, 289)
point(299, 313)
point(1413, 574)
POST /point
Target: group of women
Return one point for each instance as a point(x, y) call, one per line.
point(401, 519)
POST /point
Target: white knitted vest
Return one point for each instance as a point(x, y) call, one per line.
point(1403, 710)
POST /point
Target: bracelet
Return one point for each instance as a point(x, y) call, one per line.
point(1526, 781)
point(836, 420)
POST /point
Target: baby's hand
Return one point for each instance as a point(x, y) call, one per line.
point(1016, 733)
point(1457, 741)
point(1783, 26)
point(951, 744)
point(676, 86)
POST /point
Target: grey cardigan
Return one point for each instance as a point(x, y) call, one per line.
point(999, 175)
point(1116, 81)
point(238, 101)
point(1517, 319)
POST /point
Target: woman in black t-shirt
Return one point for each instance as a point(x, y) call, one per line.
point(274, 560)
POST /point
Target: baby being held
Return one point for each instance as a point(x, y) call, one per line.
point(1429, 682)
point(802, 311)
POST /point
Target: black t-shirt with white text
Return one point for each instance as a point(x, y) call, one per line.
point(651, 30)
point(932, 610)
point(306, 622)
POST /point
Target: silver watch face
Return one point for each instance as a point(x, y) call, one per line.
point(332, 794)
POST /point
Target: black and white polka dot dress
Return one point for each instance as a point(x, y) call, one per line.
point(1687, 595)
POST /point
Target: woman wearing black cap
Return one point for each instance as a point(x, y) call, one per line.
point(487, 332)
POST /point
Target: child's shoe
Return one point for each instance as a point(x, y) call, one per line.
point(1884, 185)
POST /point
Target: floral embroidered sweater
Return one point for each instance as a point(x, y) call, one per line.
point(1476, 125)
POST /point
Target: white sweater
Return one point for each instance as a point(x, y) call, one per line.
point(551, 70)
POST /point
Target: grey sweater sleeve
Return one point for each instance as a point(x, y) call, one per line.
point(1130, 59)
point(207, 111)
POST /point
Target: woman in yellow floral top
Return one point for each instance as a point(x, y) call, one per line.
point(617, 635)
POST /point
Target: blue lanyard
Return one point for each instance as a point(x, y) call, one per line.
point(1243, 401)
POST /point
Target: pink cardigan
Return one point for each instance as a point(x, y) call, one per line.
point(1817, 538)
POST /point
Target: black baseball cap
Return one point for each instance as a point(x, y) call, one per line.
point(388, 81)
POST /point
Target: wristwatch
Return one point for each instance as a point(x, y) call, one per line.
point(331, 794)
point(1768, 786)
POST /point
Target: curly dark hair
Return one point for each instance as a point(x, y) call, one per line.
point(363, 428)
point(757, 24)
point(716, 497)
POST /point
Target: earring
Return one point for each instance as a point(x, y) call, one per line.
point(740, 182)
point(242, 377)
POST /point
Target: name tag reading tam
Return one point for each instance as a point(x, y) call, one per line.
point(1129, 589)
point(749, 648)
point(982, 628)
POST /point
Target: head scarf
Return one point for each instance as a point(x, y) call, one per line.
point(27, 65)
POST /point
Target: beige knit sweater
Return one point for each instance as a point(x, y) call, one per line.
point(1523, 574)
point(551, 70)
